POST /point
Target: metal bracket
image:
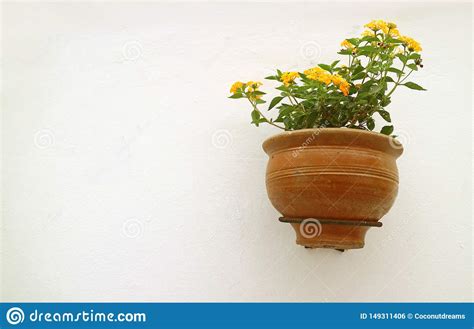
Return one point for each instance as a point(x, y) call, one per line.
point(331, 221)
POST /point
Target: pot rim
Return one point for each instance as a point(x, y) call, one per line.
point(384, 143)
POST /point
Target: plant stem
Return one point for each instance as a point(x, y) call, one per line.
point(254, 105)
point(296, 101)
point(398, 83)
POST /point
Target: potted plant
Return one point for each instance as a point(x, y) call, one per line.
point(329, 174)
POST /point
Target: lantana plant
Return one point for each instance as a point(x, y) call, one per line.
point(336, 95)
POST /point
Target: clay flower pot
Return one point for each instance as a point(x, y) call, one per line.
point(332, 184)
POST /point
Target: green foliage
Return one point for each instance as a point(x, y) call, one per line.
point(335, 95)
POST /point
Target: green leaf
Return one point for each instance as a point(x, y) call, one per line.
point(395, 70)
point(414, 67)
point(345, 52)
point(366, 86)
point(385, 115)
point(272, 77)
point(387, 130)
point(354, 41)
point(367, 48)
point(403, 58)
point(392, 40)
point(358, 69)
point(375, 89)
point(369, 38)
point(275, 102)
point(385, 101)
point(370, 124)
point(359, 76)
point(255, 117)
point(333, 65)
point(236, 95)
point(326, 67)
point(311, 119)
point(413, 85)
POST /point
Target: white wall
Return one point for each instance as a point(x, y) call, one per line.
point(128, 175)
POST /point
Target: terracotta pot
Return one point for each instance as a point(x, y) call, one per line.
point(332, 184)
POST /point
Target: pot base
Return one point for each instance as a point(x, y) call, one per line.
point(332, 234)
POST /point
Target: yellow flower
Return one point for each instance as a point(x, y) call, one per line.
point(394, 32)
point(318, 74)
point(341, 83)
point(345, 88)
point(253, 86)
point(289, 77)
point(391, 25)
point(346, 44)
point(236, 86)
point(412, 44)
point(377, 25)
point(368, 33)
point(337, 79)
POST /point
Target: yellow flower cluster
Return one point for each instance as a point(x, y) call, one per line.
point(412, 44)
point(289, 77)
point(368, 33)
point(377, 25)
point(390, 29)
point(251, 86)
point(394, 32)
point(380, 25)
point(236, 86)
point(318, 74)
point(341, 83)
